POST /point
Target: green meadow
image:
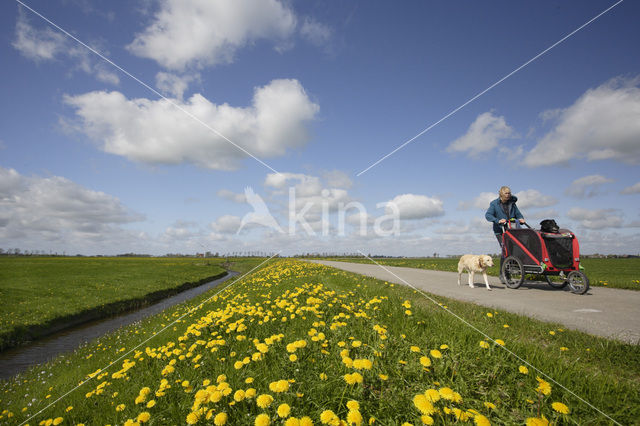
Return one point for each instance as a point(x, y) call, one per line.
point(295, 343)
point(39, 293)
point(614, 273)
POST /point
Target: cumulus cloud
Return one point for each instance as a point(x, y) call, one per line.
point(604, 123)
point(57, 209)
point(48, 45)
point(587, 186)
point(181, 230)
point(199, 33)
point(596, 219)
point(174, 85)
point(227, 224)
point(164, 132)
point(484, 135)
point(633, 189)
point(532, 198)
point(412, 206)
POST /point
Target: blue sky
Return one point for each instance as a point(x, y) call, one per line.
point(279, 95)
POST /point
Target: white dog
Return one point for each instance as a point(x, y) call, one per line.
point(474, 263)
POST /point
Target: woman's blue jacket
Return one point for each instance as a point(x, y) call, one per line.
point(495, 213)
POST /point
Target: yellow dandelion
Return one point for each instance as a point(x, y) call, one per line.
point(422, 403)
point(306, 421)
point(490, 405)
point(524, 370)
point(435, 353)
point(425, 361)
point(323, 376)
point(143, 417)
point(262, 420)
point(284, 410)
point(489, 314)
point(560, 408)
point(484, 344)
point(446, 393)
point(481, 420)
point(57, 421)
point(192, 418)
point(151, 403)
point(354, 418)
point(292, 421)
point(500, 342)
point(264, 400)
point(543, 386)
point(353, 405)
point(220, 419)
point(426, 420)
point(414, 349)
point(432, 395)
point(120, 407)
point(327, 417)
point(383, 377)
point(537, 421)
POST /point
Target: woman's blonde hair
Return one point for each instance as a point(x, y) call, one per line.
point(502, 192)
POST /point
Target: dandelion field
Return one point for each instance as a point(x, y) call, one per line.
point(45, 291)
point(296, 343)
point(614, 272)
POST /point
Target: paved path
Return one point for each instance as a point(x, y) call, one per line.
point(607, 312)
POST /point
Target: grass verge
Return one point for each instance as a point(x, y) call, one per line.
point(298, 343)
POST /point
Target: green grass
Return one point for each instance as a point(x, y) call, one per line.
point(614, 273)
point(342, 318)
point(44, 292)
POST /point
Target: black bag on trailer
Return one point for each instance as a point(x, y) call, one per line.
point(549, 225)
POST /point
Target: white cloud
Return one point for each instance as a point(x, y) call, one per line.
point(483, 135)
point(174, 85)
point(226, 224)
point(198, 33)
point(232, 196)
point(317, 33)
point(480, 202)
point(412, 206)
point(539, 215)
point(49, 45)
point(181, 230)
point(633, 189)
point(596, 219)
point(57, 209)
point(604, 123)
point(587, 186)
point(532, 198)
point(337, 179)
point(157, 132)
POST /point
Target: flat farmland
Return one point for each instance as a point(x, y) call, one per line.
point(39, 293)
point(296, 343)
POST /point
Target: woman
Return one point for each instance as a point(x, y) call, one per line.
point(499, 212)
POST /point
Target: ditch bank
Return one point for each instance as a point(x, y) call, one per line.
point(26, 334)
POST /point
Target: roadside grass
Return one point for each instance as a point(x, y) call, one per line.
point(621, 273)
point(332, 346)
point(45, 292)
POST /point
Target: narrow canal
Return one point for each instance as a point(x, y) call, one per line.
point(15, 360)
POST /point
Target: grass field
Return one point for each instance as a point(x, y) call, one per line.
point(41, 292)
point(613, 273)
point(299, 344)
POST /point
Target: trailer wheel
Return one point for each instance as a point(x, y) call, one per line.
point(553, 284)
point(578, 282)
point(513, 272)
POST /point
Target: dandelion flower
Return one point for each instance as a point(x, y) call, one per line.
point(192, 418)
point(284, 410)
point(426, 420)
point(481, 420)
point(151, 403)
point(220, 419)
point(490, 405)
point(143, 417)
point(446, 393)
point(432, 395)
point(425, 361)
point(292, 421)
point(523, 369)
point(543, 386)
point(560, 408)
point(484, 344)
point(327, 417)
point(383, 377)
point(414, 349)
point(537, 421)
point(57, 421)
point(120, 407)
point(354, 417)
point(422, 403)
point(323, 376)
point(264, 400)
point(353, 405)
point(500, 342)
point(435, 353)
point(262, 420)
point(306, 421)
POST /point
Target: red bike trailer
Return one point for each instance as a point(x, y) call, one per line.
point(529, 251)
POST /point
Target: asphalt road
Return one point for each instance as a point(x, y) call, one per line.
point(607, 312)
